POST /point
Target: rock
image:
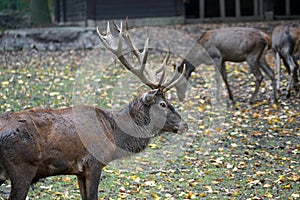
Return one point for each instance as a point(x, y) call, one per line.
point(51, 47)
point(51, 39)
point(55, 36)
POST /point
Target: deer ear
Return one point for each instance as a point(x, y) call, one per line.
point(148, 98)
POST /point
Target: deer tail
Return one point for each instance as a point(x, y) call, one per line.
point(267, 40)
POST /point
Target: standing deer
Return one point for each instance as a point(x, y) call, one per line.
point(286, 45)
point(235, 44)
point(81, 140)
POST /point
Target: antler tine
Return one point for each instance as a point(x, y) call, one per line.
point(141, 56)
point(108, 31)
point(128, 40)
point(105, 41)
point(164, 63)
point(174, 80)
point(163, 69)
point(118, 50)
point(117, 26)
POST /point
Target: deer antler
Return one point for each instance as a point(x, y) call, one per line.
point(145, 74)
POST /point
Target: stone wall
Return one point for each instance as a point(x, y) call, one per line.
point(50, 39)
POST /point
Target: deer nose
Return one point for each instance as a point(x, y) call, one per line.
point(183, 127)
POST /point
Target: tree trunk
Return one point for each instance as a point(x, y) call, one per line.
point(40, 12)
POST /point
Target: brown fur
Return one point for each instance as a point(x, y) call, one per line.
point(267, 39)
point(235, 44)
point(286, 45)
point(79, 141)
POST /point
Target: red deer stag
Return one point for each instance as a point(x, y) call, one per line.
point(235, 44)
point(286, 45)
point(39, 143)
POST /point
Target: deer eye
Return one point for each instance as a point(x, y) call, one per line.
point(163, 104)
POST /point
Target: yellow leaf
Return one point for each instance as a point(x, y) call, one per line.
point(201, 108)
point(190, 195)
point(256, 133)
point(291, 120)
point(201, 127)
point(152, 146)
point(189, 158)
point(207, 132)
point(288, 186)
point(202, 195)
point(192, 183)
point(294, 177)
point(76, 185)
point(139, 169)
point(209, 188)
point(266, 185)
point(275, 106)
point(4, 83)
point(234, 145)
point(53, 94)
point(150, 183)
point(66, 179)
point(229, 166)
point(135, 178)
point(155, 196)
point(269, 195)
point(280, 179)
point(58, 193)
point(295, 196)
point(108, 170)
point(255, 115)
point(201, 100)
point(254, 183)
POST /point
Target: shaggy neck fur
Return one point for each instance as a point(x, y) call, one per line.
point(132, 128)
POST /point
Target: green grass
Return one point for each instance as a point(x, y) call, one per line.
point(254, 154)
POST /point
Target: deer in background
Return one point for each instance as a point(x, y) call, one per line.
point(81, 140)
point(235, 44)
point(286, 45)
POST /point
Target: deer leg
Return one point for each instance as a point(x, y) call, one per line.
point(218, 82)
point(82, 188)
point(278, 70)
point(295, 74)
point(278, 66)
point(258, 76)
point(286, 66)
point(225, 79)
point(89, 181)
point(221, 68)
point(92, 180)
point(21, 178)
point(293, 79)
point(265, 67)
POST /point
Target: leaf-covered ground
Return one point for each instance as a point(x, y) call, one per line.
point(239, 151)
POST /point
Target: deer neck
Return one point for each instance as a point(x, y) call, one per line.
point(132, 129)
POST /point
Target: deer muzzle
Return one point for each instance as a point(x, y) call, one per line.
point(182, 128)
